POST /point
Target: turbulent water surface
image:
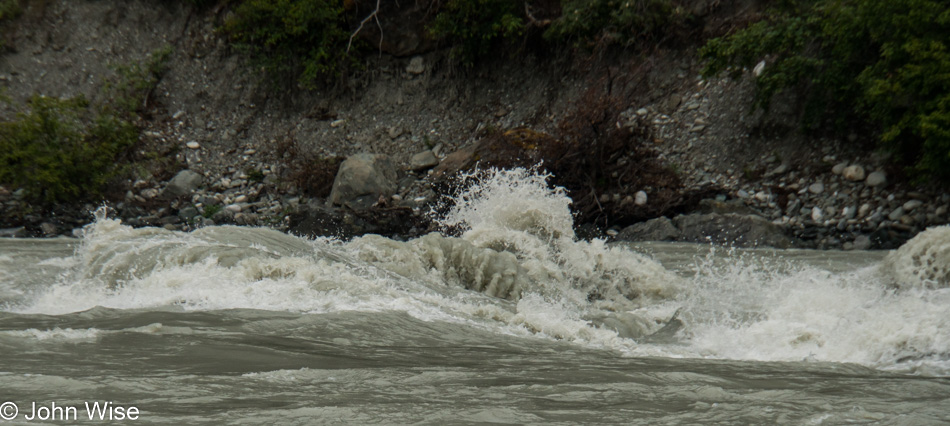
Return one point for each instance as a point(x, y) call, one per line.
point(515, 321)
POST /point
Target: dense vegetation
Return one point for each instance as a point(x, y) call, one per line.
point(66, 150)
point(306, 38)
point(878, 64)
point(613, 21)
point(61, 150)
point(312, 40)
point(474, 26)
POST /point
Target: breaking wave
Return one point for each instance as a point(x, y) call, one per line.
point(518, 269)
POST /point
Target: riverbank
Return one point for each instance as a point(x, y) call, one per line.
point(221, 145)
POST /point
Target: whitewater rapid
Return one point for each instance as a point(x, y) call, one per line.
point(517, 269)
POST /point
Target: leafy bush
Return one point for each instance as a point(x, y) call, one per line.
point(879, 64)
point(623, 21)
point(130, 92)
point(9, 10)
point(211, 210)
point(62, 150)
point(473, 27)
point(303, 38)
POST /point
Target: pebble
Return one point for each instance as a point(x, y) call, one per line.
point(912, 204)
point(192, 145)
point(876, 179)
point(848, 212)
point(853, 173)
point(896, 213)
point(816, 188)
point(816, 214)
point(416, 65)
point(235, 208)
point(640, 198)
point(839, 168)
point(781, 169)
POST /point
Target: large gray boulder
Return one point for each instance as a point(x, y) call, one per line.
point(184, 183)
point(740, 230)
point(658, 229)
point(423, 160)
point(362, 179)
point(731, 229)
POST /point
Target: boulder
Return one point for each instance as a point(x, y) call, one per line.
point(862, 242)
point(839, 168)
point(19, 232)
point(362, 179)
point(184, 183)
point(876, 179)
point(520, 147)
point(416, 66)
point(423, 160)
point(658, 229)
point(731, 229)
point(853, 173)
point(912, 204)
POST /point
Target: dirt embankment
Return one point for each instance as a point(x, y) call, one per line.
point(260, 151)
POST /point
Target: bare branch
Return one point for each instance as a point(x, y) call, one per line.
point(532, 21)
point(374, 15)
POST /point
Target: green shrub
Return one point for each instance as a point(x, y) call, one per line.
point(62, 150)
point(303, 38)
point(878, 64)
point(9, 10)
point(473, 27)
point(130, 92)
point(620, 21)
point(211, 210)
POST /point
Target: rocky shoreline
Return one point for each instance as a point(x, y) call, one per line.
point(847, 208)
point(221, 147)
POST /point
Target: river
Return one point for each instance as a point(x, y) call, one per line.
point(513, 322)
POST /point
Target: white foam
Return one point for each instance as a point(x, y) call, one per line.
point(524, 275)
point(55, 334)
point(922, 262)
point(747, 311)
